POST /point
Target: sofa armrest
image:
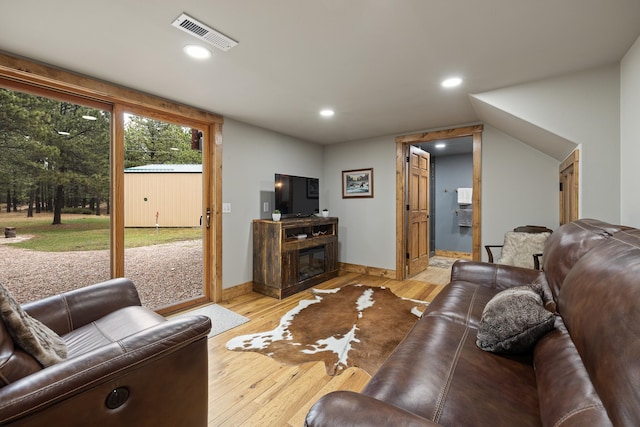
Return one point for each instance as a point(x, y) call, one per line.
point(68, 311)
point(497, 276)
point(347, 408)
point(79, 378)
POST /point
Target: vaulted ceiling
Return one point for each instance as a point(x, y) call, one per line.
point(377, 63)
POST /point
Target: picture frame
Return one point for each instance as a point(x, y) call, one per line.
point(357, 183)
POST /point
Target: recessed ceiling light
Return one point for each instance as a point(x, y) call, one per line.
point(440, 145)
point(452, 82)
point(61, 132)
point(88, 117)
point(196, 51)
point(327, 112)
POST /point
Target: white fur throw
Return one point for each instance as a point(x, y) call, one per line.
point(30, 334)
point(519, 248)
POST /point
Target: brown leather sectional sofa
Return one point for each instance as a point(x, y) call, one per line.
point(585, 372)
point(126, 365)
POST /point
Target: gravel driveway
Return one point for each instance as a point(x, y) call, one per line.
point(163, 273)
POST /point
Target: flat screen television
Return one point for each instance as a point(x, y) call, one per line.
point(296, 196)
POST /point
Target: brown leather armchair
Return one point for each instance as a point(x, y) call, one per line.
point(126, 364)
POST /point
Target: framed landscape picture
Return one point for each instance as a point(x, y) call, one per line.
point(357, 183)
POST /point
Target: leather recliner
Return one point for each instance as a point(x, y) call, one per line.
point(126, 364)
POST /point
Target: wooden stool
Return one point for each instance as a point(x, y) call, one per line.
point(9, 232)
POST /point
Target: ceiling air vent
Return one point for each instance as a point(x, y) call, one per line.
point(203, 32)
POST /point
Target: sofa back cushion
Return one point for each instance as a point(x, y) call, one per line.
point(566, 394)
point(568, 244)
point(600, 305)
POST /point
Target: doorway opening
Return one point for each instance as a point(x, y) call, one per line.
point(451, 169)
point(403, 199)
point(163, 209)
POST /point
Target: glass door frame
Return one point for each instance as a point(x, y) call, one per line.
point(41, 79)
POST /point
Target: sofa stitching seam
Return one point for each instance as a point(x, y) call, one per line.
point(623, 242)
point(104, 334)
point(576, 411)
point(445, 389)
point(70, 326)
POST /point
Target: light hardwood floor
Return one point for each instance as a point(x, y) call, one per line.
point(250, 389)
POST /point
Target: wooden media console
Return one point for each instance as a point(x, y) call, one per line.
point(293, 254)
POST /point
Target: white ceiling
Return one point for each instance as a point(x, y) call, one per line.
point(378, 63)
point(448, 147)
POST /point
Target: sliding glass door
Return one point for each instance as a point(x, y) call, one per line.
point(163, 211)
point(63, 157)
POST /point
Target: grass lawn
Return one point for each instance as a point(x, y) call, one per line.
point(84, 232)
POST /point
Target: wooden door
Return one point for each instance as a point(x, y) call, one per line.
point(418, 211)
point(569, 188)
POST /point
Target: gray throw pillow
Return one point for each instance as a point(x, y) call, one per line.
point(513, 320)
point(30, 334)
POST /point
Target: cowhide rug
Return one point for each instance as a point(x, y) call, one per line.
point(355, 325)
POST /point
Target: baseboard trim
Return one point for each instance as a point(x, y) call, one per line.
point(236, 291)
point(369, 271)
point(454, 254)
point(246, 288)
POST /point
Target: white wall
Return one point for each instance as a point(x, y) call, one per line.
point(367, 234)
point(583, 108)
point(519, 187)
point(630, 136)
point(250, 158)
point(519, 183)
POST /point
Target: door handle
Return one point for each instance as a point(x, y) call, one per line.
point(208, 221)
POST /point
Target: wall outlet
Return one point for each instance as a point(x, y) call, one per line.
point(265, 207)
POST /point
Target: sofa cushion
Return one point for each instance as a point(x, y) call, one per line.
point(569, 243)
point(599, 306)
point(438, 372)
point(111, 328)
point(30, 334)
point(566, 394)
point(514, 320)
point(519, 248)
point(462, 303)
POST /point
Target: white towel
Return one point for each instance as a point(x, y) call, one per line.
point(465, 196)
